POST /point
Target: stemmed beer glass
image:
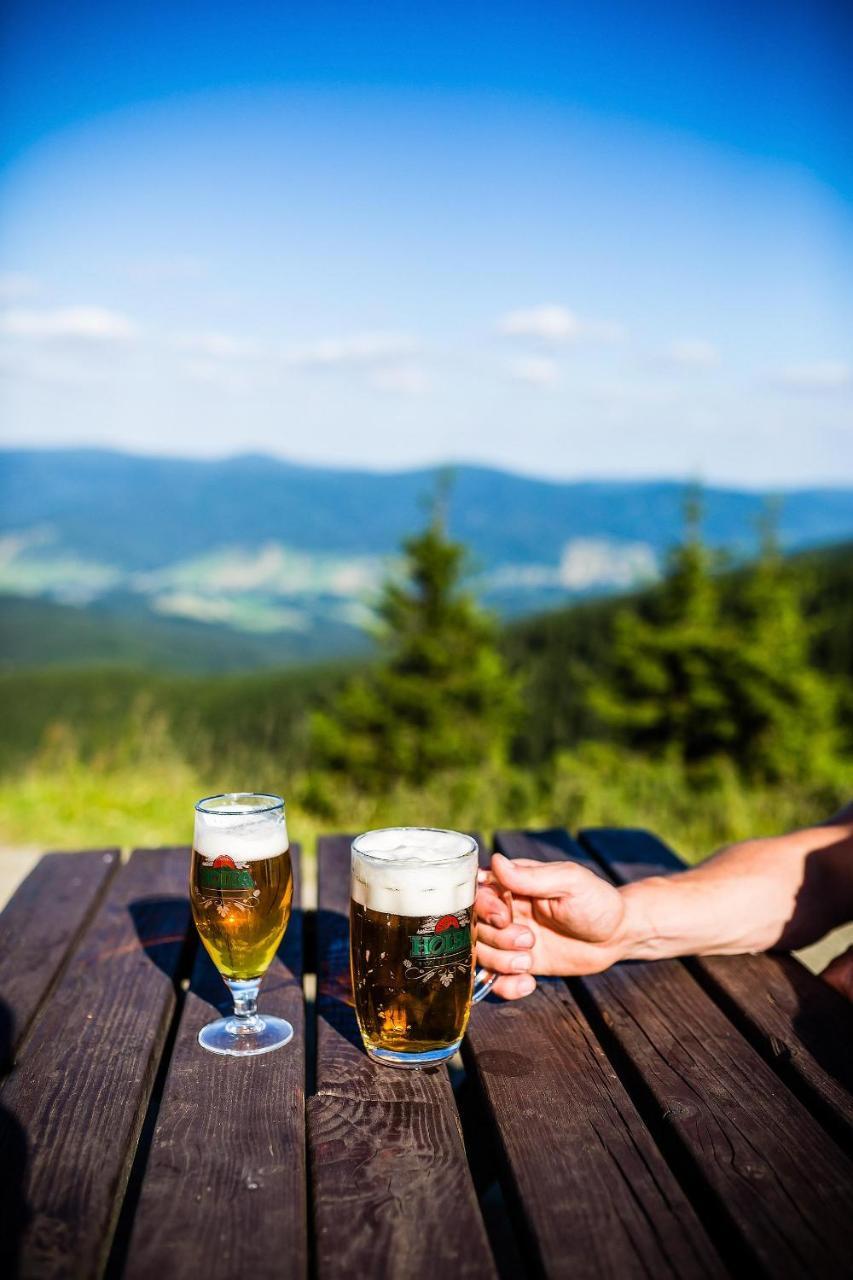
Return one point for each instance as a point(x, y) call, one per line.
point(241, 891)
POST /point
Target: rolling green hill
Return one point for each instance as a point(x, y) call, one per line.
point(72, 667)
point(297, 554)
point(42, 633)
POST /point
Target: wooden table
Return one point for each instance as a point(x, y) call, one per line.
point(678, 1118)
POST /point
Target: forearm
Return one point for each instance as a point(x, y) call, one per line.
point(786, 892)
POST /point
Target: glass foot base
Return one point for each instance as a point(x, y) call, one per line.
point(242, 1038)
point(412, 1061)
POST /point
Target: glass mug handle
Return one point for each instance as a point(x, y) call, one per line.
point(483, 980)
point(483, 983)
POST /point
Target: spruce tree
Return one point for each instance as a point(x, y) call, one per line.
point(712, 668)
point(440, 698)
point(786, 707)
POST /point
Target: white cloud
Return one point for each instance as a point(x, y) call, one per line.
point(15, 285)
point(693, 353)
point(356, 348)
point(551, 322)
point(539, 370)
point(216, 346)
point(821, 375)
point(95, 324)
point(405, 379)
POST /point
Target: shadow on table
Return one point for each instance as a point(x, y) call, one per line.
point(824, 1025)
point(14, 1211)
point(164, 931)
point(334, 989)
point(824, 1019)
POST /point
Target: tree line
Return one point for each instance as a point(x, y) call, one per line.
point(710, 665)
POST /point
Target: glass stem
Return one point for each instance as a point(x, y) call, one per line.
point(245, 997)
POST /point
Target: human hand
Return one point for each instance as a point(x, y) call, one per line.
point(546, 918)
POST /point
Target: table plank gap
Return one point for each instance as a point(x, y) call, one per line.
point(116, 1259)
point(392, 1191)
point(229, 1140)
point(81, 1086)
point(591, 1192)
point(40, 927)
point(799, 1024)
point(745, 1149)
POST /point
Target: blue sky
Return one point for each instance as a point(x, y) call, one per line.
point(570, 240)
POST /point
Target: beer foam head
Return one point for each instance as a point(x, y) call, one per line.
point(413, 871)
point(241, 826)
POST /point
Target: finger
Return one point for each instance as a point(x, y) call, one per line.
point(515, 937)
point(498, 961)
point(491, 907)
point(839, 974)
point(514, 988)
point(541, 879)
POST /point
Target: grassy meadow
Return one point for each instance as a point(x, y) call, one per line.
point(141, 792)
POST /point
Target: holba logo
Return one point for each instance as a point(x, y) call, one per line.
point(224, 873)
point(447, 938)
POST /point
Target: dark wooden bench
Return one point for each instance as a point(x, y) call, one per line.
point(683, 1118)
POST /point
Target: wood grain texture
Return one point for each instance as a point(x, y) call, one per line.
point(224, 1188)
point(800, 1025)
point(592, 1194)
point(758, 1164)
point(39, 927)
point(84, 1075)
point(774, 1174)
point(392, 1192)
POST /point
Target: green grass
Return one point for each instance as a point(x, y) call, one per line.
point(140, 791)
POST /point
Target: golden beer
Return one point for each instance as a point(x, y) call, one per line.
point(412, 978)
point(412, 942)
point(241, 910)
point(241, 891)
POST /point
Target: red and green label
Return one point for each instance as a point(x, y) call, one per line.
point(223, 873)
point(449, 938)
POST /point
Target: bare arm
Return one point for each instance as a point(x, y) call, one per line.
point(785, 891)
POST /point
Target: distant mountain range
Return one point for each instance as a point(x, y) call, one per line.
point(289, 557)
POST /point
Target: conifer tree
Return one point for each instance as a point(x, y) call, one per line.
point(440, 698)
point(786, 707)
point(708, 673)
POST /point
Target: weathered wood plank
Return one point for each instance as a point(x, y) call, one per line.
point(84, 1076)
point(224, 1188)
point(603, 1203)
point(799, 1024)
point(764, 1176)
point(392, 1192)
point(592, 1194)
point(39, 927)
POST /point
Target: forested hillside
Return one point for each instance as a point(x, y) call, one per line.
point(558, 653)
point(711, 705)
point(294, 557)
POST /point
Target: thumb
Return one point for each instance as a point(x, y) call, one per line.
point(570, 897)
point(542, 879)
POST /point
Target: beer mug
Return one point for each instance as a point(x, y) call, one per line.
point(412, 942)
